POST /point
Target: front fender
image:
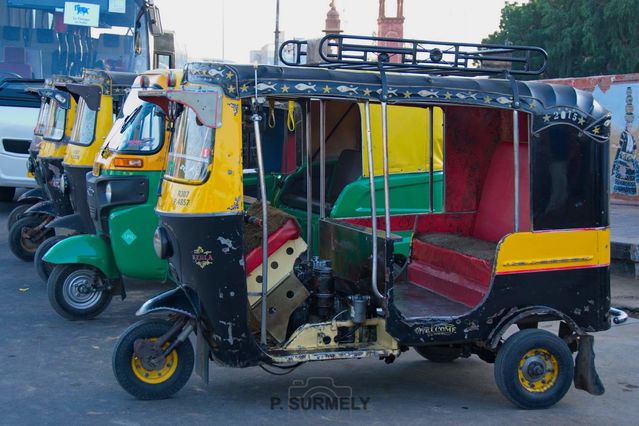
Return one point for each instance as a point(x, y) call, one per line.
point(32, 196)
point(173, 301)
point(43, 207)
point(86, 249)
point(73, 222)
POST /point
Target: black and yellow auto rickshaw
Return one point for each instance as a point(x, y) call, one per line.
point(55, 124)
point(99, 96)
point(37, 194)
point(523, 237)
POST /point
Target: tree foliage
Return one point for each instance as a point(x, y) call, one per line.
point(584, 37)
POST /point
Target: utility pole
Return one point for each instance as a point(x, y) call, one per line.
point(223, 59)
point(277, 32)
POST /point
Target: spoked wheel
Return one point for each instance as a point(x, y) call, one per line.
point(439, 353)
point(141, 367)
point(44, 268)
point(78, 292)
point(16, 213)
point(534, 369)
point(26, 235)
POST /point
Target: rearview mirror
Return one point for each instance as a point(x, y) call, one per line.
point(155, 22)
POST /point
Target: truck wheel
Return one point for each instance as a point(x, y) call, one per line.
point(77, 292)
point(439, 353)
point(7, 193)
point(44, 268)
point(16, 214)
point(22, 244)
point(534, 369)
point(151, 377)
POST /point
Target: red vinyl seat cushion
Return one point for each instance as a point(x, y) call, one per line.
point(289, 231)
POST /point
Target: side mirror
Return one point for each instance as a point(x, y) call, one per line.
point(155, 22)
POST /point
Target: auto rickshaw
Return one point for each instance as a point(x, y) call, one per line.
point(33, 195)
point(523, 237)
point(88, 269)
point(99, 96)
point(28, 232)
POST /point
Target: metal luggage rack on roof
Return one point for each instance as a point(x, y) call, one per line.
point(415, 56)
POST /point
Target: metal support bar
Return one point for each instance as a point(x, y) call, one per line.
point(309, 183)
point(431, 165)
point(322, 142)
point(385, 157)
point(516, 165)
point(260, 167)
point(371, 181)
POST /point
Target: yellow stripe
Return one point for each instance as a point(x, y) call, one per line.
point(531, 251)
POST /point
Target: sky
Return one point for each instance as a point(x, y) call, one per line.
point(230, 29)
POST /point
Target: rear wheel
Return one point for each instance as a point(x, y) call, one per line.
point(534, 369)
point(16, 213)
point(7, 193)
point(151, 375)
point(44, 268)
point(78, 292)
point(24, 237)
point(439, 353)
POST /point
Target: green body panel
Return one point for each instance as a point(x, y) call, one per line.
point(131, 229)
point(251, 184)
point(87, 249)
point(408, 195)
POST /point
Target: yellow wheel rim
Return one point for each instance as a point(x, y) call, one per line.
point(538, 370)
point(154, 377)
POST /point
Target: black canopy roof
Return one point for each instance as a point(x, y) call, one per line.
point(550, 104)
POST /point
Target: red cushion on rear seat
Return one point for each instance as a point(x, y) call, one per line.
point(495, 217)
point(472, 268)
point(289, 231)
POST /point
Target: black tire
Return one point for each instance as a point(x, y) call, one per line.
point(439, 353)
point(123, 362)
point(16, 213)
point(22, 247)
point(68, 296)
point(43, 268)
point(7, 193)
point(546, 370)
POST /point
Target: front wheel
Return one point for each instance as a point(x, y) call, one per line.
point(534, 369)
point(44, 268)
point(151, 374)
point(78, 292)
point(16, 214)
point(26, 235)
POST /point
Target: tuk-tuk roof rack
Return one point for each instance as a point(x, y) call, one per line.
point(415, 56)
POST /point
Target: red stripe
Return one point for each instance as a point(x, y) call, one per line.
point(565, 268)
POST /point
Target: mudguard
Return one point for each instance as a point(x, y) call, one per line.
point(586, 377)
point(32, 196)
point(43, 207)
point(72, 221)
point(173, 301)
point(87, 249)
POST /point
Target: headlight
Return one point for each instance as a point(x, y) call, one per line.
point(108, 193)
point(161, 243)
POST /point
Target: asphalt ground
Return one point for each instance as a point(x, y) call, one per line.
point(53, 371)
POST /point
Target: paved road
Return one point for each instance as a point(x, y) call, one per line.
point(53, 371)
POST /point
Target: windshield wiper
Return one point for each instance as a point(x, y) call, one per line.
point(130, 118)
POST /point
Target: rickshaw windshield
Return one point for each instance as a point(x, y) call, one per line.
point(191, 149)
point(141, 131)
point(55, 122)
point(83, 131)
point(42, 117)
